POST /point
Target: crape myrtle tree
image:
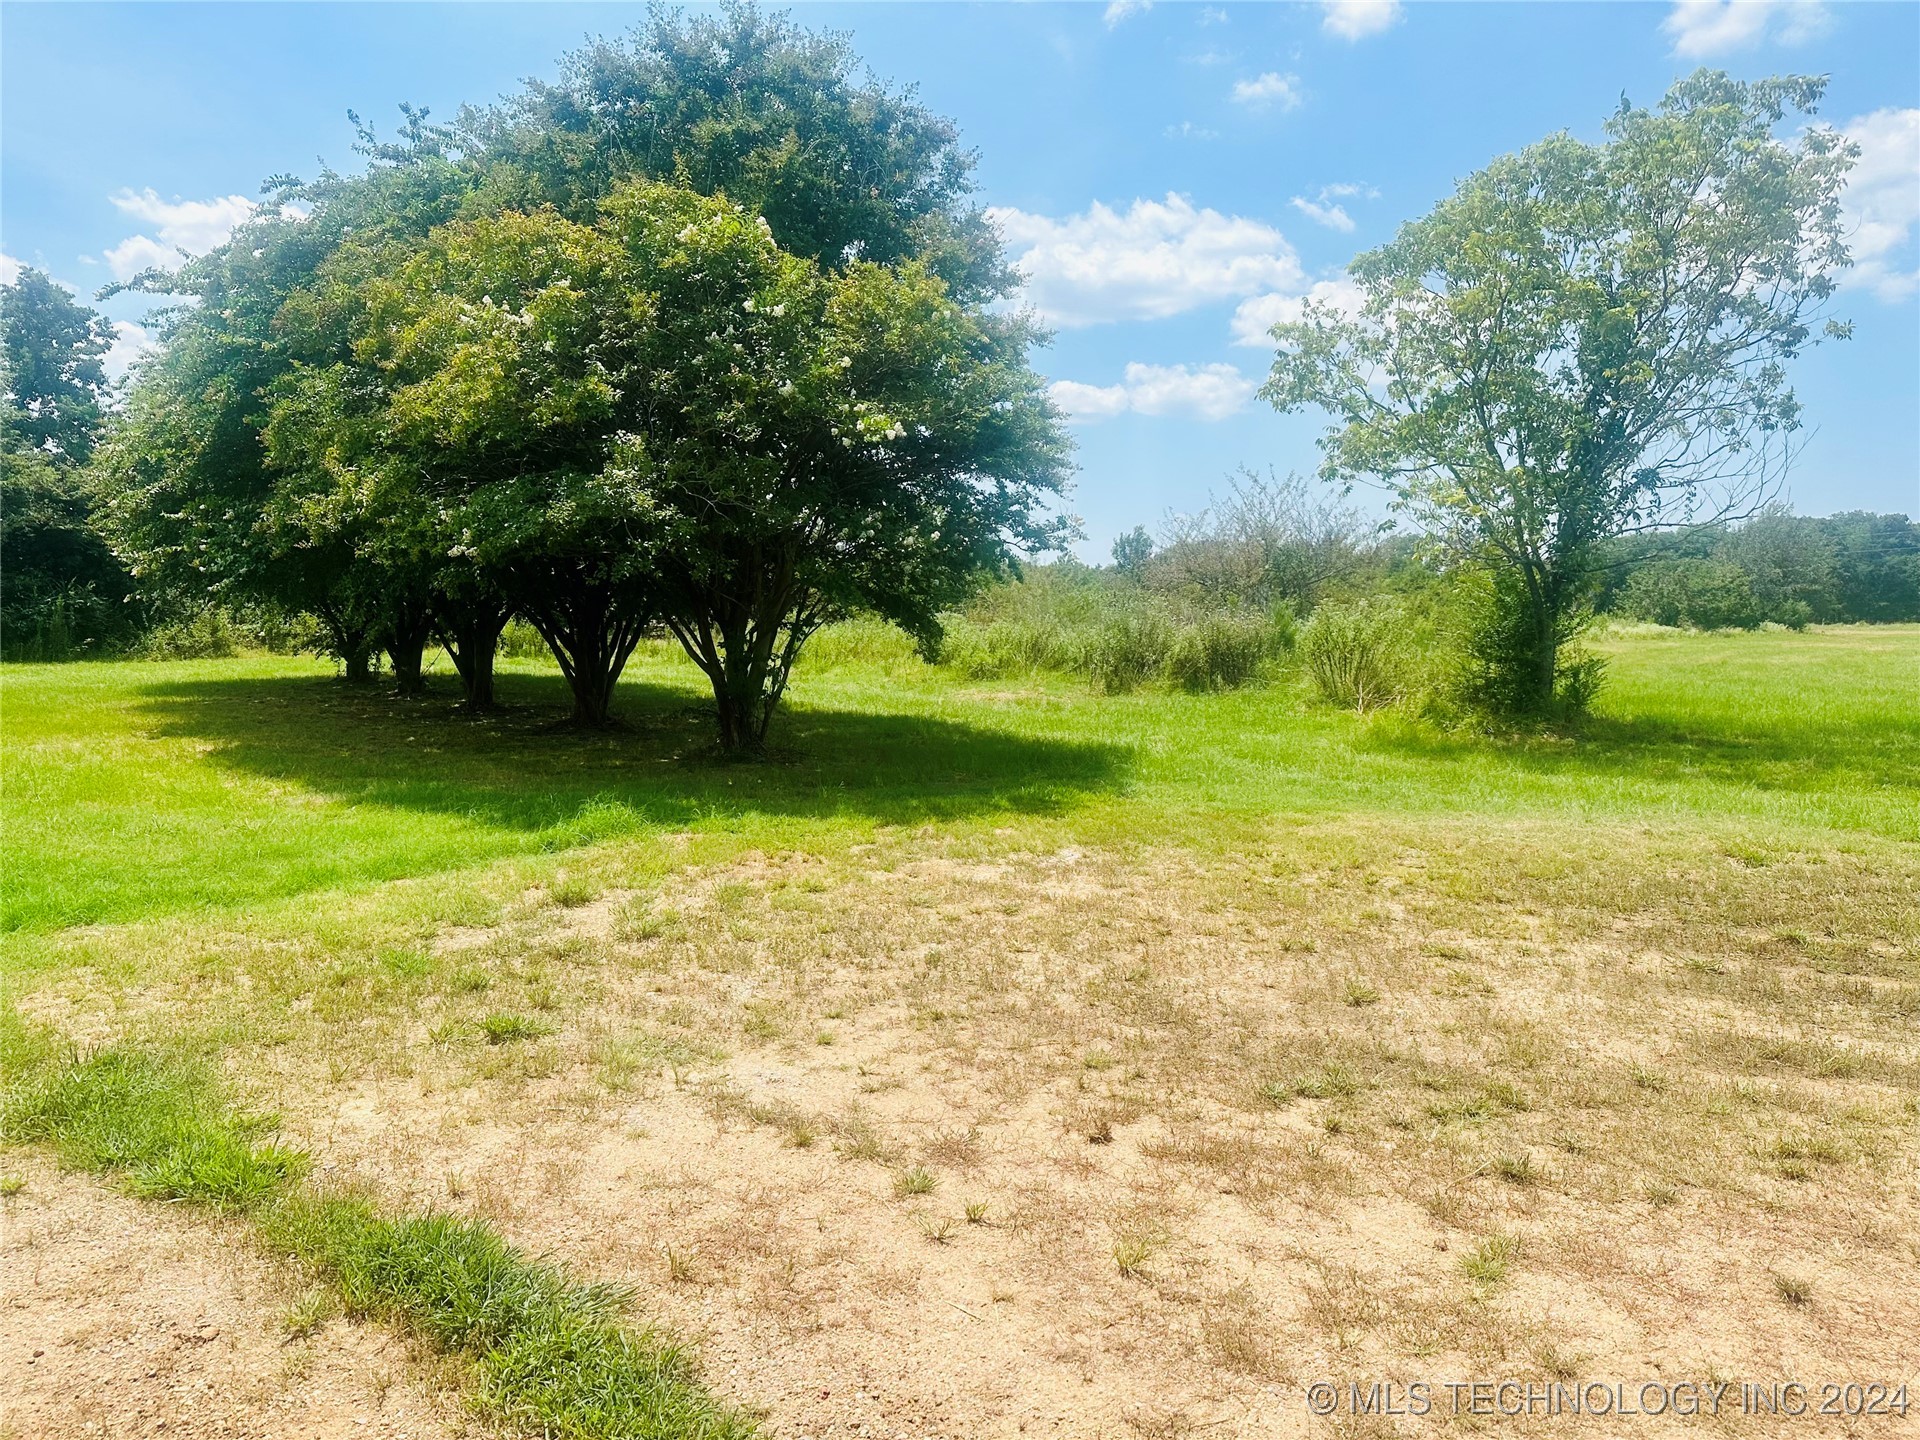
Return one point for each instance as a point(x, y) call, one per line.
point(777, 118)
point(335, 482)
point(747, 104)
point(817, 442)
point(190, 502)
point(668, 418)
point(1583, 341)
point(483, 379)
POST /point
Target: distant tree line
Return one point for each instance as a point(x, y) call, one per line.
point(1775, 568)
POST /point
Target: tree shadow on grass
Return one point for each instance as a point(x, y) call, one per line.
point(518, 770)
point(1827, 758)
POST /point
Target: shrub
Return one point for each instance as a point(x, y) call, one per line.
point(1699, 594)
point(1130, 649)
point(1222, 652)
point(1494, 649)
point(201, 635)
point(1013, 646)
point(1358, 654)
point(864, 640)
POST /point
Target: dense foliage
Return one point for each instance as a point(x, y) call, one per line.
point(697, 337)
point(1777, 568)
point(61, 589)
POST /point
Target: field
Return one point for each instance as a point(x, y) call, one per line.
point(1000, 1058)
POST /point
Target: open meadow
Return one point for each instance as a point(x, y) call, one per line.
point(1000, 1058)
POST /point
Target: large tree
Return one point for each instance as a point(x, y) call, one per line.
point(1585, 339)
point(53, 349)
point(747, 104)
point(60, 585)
point(817, 441)
point(740, 102)
point(191, 503)
point(667, 418)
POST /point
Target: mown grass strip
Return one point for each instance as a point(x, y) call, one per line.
point(551, 1356)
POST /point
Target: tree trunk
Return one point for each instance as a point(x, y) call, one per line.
point(405, 641)
point(747, 662)
point(1540, 656)
point(352, 643)
point(591, 635)
point(1546, 668)
point(743, 712)
point(471, 633)
point(406, 649)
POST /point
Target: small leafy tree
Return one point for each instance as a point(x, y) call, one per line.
point(1582, 341)
point(1132, 551)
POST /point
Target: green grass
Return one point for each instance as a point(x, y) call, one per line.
point(504, 1029)
point(284, 850)
point(551, 1356)
point(243, 782)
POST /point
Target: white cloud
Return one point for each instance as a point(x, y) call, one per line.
point(1713, 27)
point(1120, 10)
point(1202, 392)
point(1187, 130)
point(1357, 19)
point(1325, 211)
point(1258, 314)
point(140, 252)
point(10, 269)
point(1881, 205)
point(193, 226)
point(1155, 259)
point(130, 342)
point(1334, 217)
point(1268, 90)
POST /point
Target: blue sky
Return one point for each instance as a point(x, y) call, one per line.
point(1171, 175)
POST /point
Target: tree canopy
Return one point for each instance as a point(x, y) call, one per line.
point(666, 416)
point(53, 350)
point(60, 587)
point(275, 450)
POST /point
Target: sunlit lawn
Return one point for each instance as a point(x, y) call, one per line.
point(145, 789)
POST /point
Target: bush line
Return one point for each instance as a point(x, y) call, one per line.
point(550, 1355)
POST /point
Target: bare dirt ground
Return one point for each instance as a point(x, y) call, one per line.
point(123, 1318)
point(942, 1141)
